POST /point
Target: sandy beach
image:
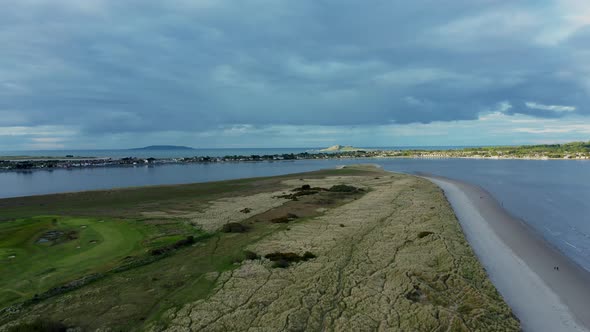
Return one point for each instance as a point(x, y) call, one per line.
point(520, 263)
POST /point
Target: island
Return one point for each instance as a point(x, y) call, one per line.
point(162, 148)
point(341, 148)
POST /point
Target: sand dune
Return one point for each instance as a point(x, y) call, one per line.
point(393, 260)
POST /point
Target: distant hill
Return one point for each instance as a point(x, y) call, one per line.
point(340, 148)
point(162, 147)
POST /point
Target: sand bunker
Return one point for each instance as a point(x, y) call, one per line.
point(54, 237)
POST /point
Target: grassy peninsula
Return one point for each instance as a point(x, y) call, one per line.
point(574, 150)
point(354, 248)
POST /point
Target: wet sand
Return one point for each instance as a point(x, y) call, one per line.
point(520, 263)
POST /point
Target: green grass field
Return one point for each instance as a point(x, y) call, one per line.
point(145, 292)
point(29, 266)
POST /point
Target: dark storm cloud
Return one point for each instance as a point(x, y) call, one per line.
point(134, 66)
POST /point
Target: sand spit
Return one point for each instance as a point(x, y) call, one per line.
point(393, 260)
point(521, 264)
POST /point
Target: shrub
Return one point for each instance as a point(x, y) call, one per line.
point(285, 219)
point(185, 242)
point(288, 256)
point(308, 255)
point(177, 245)
point(343, 188)
point(424, 234)
point(234, 227)
point(284, 259)
point(158, 251)
point(306, 193)
point(237, 260)
point(280, 220)
point(282, 264)
point(416, 295)
point(250, 255)
point(39, 325)
point(304, 190)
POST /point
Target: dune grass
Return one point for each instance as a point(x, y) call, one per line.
point(105, 230)
point(102, 231)
point(131, 202)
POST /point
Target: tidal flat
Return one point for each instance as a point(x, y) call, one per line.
point(354, 248)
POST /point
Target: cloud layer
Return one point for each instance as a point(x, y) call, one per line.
point(177, 70)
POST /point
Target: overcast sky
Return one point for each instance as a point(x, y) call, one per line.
point(286, 73)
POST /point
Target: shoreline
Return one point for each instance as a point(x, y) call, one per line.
point(521, 263)
point(65, 163)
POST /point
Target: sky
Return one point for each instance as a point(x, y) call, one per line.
point(282, 73)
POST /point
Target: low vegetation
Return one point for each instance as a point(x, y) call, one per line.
point(190, 240)
point(285, 259)
point(397, 264)
point(343, 188)
point(250, 255)
point(39, 325)
point(574, 150)
point(77, 246)
point(306, 190)
point(424, 234)
point(89, 265)
point(234, 227)
point(285, 219)
point(48, 255)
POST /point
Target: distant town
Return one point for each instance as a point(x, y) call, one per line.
point(576, 150)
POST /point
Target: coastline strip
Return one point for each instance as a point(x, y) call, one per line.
point(545, 289)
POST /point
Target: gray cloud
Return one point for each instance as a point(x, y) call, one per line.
point(143, 66)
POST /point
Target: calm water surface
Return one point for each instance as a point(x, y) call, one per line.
point(552, 196)
point(121, 153)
